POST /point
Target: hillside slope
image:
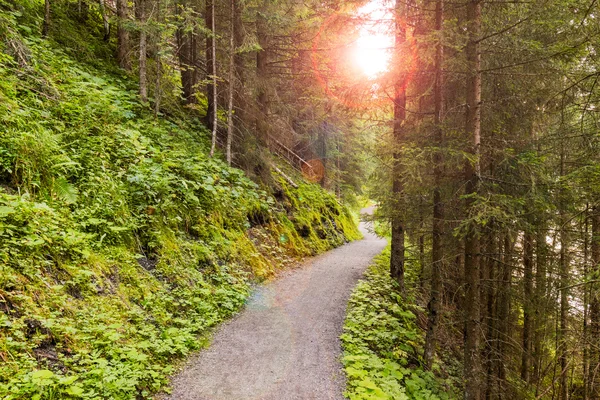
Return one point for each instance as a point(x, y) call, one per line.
point(121, 241)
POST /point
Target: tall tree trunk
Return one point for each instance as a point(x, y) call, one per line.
point(491, 312)
point(232, 51)
point(397, 241)
point(594, 329)
point(585, 364)
point(105, 20)
point(123, 45)
point(564, 293)
point(211, 72)
point(262, 72)
point(158, 60)
point(46, 24)
point(540, 304)
point(187, 53)
point(437, 231)
point(504, 314)
point(527, 306)
point(239, 99)
point(472, 359)
point(140, 10)
point(213, 39)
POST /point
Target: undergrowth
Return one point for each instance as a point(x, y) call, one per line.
point(121, 241)
point(383, 344)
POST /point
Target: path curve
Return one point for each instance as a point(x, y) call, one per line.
point(285, 344)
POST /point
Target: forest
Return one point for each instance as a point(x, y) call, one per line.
point(160, 159)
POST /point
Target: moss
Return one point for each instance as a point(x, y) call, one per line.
point(121, 241)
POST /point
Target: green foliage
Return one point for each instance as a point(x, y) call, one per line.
point(382, 344)
point(121, 241)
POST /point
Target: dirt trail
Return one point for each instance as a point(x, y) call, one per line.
point(285, 344)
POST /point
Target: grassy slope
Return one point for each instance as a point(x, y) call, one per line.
point(120, 241)
point(383, 344)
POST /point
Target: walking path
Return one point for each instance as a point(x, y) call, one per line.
point(285, 344)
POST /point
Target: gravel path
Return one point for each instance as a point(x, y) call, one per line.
point(285, 344)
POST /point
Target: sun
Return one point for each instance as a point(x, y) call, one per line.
point(373, 47)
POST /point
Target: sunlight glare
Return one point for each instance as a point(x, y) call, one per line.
point(373, 46)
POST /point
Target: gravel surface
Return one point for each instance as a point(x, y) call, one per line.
point(285, 344)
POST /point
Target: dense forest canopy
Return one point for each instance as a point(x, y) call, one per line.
point(473, 124)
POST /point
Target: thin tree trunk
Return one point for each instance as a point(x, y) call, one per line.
point(210, 66)
point(540, 303)
point(158, 81)
point(122, 36)
point(214, 79)
point(586, 300)
point(187, 53)
point(594, 329)
point(437, 233)
point(504, 323)
point(472, 359)
point(143, 78)
point(564, 295)
point(397, 241)
point(527, 306)
point(46, 25)
point(105, 21)
point(239, 98)
point(232, 51)
point(262, 73)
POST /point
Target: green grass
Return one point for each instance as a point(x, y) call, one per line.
point(383, 344)
point(121, 242)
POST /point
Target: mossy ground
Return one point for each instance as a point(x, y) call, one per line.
point(121, 242)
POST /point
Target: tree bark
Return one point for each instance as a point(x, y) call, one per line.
point(232, 51)
point(187, 45)
point(437, 232)
point(594, 328)
point(123, 44)
point(210, 66)
point(527, 306)
point(213, 39)
point(564, 293)
point(105, 21)
point(262, 72)
point(46, 24)
point(140, 10)
point(472, 359)
point(397, 241)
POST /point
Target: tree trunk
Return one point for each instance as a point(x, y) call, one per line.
point(105, 20)
point(210, 66)
point(472, 360)
point(397, 241)
point(232, 51)
point(158, 59)
point(437, 232)
point(140, 10)
point(213, 39)
point(527, 306)
point(564, 292)
point(585, 364)
point(239, 100)
point(187, 53)
point(594, 329)
point(540, 303)
point(504, 322)
point(262, 73)
point(122, 36)
point(46, 24)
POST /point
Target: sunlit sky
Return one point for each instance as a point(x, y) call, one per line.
point(373, 46)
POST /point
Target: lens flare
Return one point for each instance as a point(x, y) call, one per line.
point(375, 42)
